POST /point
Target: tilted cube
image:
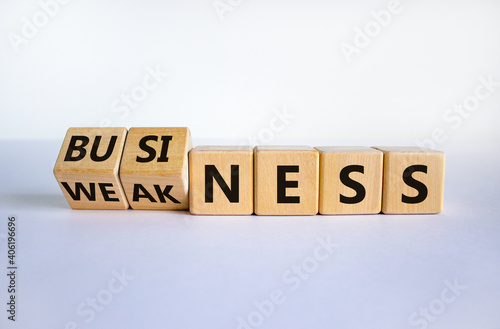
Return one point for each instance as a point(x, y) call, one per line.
point(87, 168)
point(154, 168)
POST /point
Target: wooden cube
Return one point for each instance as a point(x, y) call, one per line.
point(87, 168)
point(350, 180)
point(286, 180)
point(413, 180)
point(154, 168)
point(221, 180)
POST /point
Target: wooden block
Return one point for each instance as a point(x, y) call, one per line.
point(221, 180)
point(286, 180)
point(154, 168)
point(413, 180)
point(87, 168)
point(350, 180)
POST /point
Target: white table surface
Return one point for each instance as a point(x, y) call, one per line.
point(207, 271)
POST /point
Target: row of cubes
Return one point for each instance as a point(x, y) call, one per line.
point(157, 168)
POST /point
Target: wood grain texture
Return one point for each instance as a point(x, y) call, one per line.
point(223, 158)
point(266, 162)
point(86, 176)
point(172, 176)
point(396, 161)
point(334, 159)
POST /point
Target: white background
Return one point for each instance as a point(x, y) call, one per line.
point(229, 74)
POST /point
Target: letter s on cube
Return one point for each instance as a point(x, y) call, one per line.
point(413, 180)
